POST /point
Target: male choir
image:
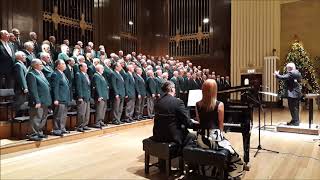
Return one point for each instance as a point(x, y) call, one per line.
point(51, 78)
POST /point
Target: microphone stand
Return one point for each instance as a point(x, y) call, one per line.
point(259, 148)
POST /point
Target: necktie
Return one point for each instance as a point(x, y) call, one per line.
point(120, 75)
point(6, 45)
point(87, 78)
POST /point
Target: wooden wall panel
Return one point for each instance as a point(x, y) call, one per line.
point(24, 15)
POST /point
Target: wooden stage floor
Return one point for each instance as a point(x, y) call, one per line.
point(119, 155)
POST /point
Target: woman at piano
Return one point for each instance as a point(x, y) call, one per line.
point(210, 114)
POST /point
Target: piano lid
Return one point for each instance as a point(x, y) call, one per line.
point(236, 89)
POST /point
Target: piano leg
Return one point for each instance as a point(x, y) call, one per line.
point(246, 146)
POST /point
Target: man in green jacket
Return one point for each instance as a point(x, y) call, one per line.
point(151, 87)
point(118, 87)
point(39, 99)
point(47, 69)
point(64, 52)
point(101, 95)
point(21, 88)
point(61, 98)
point(130, 94)
point(141, 94)
point(175, 80)
point(83, 92)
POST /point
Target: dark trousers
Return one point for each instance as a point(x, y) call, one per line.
point(117, 108)
point(83, 110)
point(150, 106)
point(293, 104)
point(101, 108)
point(59, 118)
point(38, 118)
point(139, 107)
point(130, 108)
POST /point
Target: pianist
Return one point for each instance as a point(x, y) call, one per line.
point(210, 114)
point(171, 118)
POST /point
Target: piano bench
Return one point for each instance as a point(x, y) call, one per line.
point(165, 152)
point(198, 156)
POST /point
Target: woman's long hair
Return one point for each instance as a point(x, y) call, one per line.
point(209, 95)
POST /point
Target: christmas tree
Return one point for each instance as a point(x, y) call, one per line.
point(300, 58)
point(316, 64)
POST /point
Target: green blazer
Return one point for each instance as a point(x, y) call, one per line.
point(182, 83)
point(159, 82)
point(39, 89)
point(140, 86)
point(29, 58)
point(130, 86)
point(20, 71)
point(100, 86)
point(117, 83)
point(83, 89)
point(47, 71)
point(60, 88)
point(151, 86)
point(176, 83)
point(63, 56)
point(91, 68)
point(107, 74)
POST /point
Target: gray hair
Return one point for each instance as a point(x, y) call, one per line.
point(80, 57)
point(63, 48)
point(2, 32)
point(99, 66)
point(34, 62)
point(45, 46)
point(44, 54)
point(28, 44)
point(291, 65)
point(19, 53)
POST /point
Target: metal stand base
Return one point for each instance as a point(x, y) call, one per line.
point(259, 148)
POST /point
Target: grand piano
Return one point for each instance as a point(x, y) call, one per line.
point(238, 114)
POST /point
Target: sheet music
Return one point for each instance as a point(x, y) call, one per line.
point(194, 97)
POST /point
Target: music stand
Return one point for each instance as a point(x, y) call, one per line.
point(259, 148)
point(264, 119)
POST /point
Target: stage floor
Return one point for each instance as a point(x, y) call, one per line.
point(119, 155)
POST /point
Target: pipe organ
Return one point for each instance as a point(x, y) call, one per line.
point(68, 19)
point(189, 27)
point(129, 26)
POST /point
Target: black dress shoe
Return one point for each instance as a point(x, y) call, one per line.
point(80, 130)
point(97, 126)
point(116, 122)
point(43, 136)
point(102, 124)
point(293, 123)
point(86, 128)
point(124, 121)
point(57, 134)
point(35, 138)
point(65, 132)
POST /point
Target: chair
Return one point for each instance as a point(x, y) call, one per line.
point(163, 151)
point(19, 120)
point(7, 96)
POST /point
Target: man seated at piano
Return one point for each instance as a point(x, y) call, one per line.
point(210, 115)
point(171, 121)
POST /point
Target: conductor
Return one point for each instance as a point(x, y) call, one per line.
point(292, 90)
